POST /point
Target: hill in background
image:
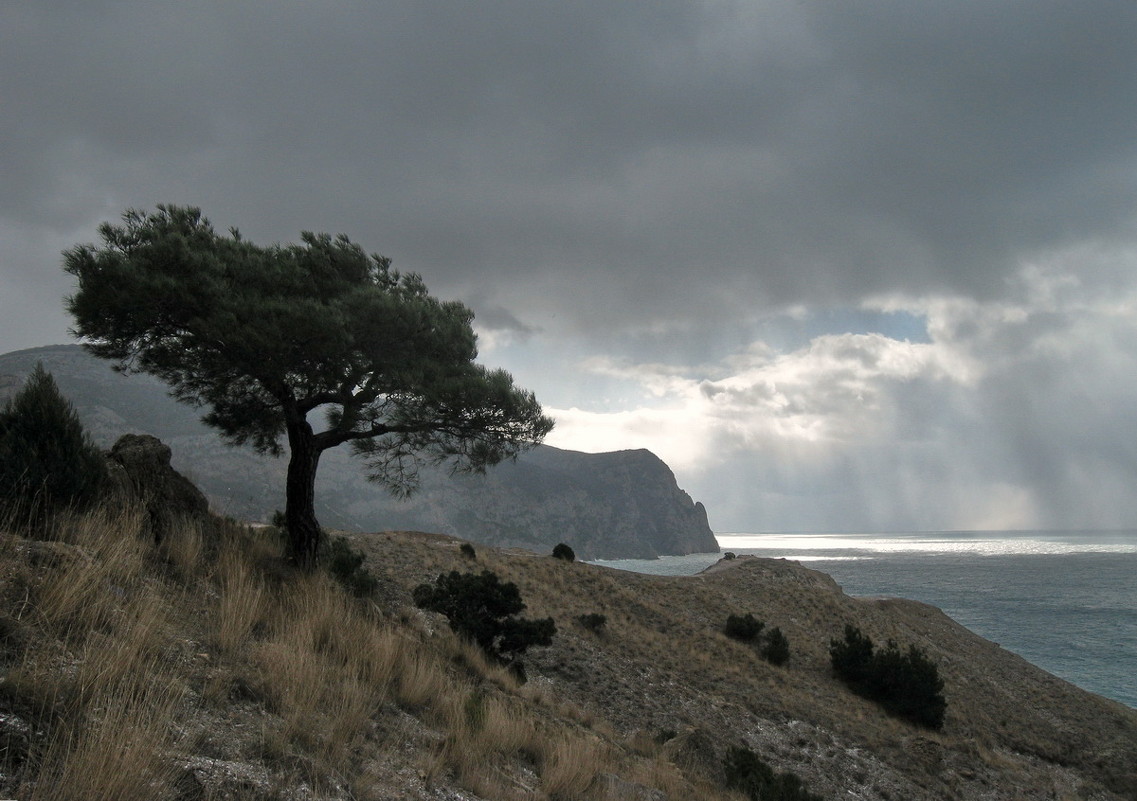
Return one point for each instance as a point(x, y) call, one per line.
point(623, 504)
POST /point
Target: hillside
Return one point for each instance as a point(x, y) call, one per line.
point(205, 668)
point(623, 504)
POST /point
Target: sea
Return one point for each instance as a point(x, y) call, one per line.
point(1063, 600)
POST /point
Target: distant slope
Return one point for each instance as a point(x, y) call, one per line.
point(610, 505)
point(663, 664)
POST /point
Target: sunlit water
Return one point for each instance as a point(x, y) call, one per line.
point(1066, 601)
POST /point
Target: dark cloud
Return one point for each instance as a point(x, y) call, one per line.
point(667, 182)
point(768, 153)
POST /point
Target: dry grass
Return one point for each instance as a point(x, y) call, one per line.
point(325, 670)
point(95, 671)
point(421, 681)
point(184, 548)
point(118, 750)
point(570, 767)
point(243, 602)
point(117, 643)
point(105, 559)
point(129, 654)
point(111, 645)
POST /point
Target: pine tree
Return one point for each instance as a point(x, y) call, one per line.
point(47, 460)
point(266, 337)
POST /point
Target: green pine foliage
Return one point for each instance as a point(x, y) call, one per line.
point(267, 338)
point(483, 609)
point(48, 462)
point(906, 683)
point(776, 648)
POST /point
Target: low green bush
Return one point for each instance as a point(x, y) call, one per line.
point(562, 551)
point(744, 628)
point(772, 645)
point(467, 550)
point(483, 609)
point(776, 648)
point(748, 773)
point(907, 684)
point(593, 621)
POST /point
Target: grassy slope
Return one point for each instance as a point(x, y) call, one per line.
point(204, 668)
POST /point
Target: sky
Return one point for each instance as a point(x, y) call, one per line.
point(860, 266)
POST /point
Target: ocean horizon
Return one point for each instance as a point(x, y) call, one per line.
point(1065, 601)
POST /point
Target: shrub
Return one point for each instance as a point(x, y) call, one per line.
point(346, 566)
point(747, 772)
point(467, 550)
point(744, 628)
point(484, 610)
point(729, 555)
point(906, 684)
point(773, 645)
point(776, 649)
point(593, 621)
point(562, 551)
point(47, 461)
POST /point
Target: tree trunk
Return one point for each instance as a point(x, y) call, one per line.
point(304, 533)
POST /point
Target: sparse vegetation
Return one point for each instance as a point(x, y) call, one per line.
point(906, 684)
point(204, 666)
point(564, 552)
point(128, 670)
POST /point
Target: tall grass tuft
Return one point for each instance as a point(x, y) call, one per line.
point(105, 562)
point(243, 602)
point(570, 767)
point(118, 750)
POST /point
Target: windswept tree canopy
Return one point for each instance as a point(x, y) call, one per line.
point(262, 336)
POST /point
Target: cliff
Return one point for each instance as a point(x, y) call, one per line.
point(625, 504)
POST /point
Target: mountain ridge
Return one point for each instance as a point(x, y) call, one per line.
point(620, 504)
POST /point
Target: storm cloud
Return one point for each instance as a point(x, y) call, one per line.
point(844, 266)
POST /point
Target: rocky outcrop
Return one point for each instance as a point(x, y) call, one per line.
point(139, 467)
point(623, 504)
point(605, 506)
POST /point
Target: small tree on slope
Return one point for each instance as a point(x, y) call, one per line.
point(47, 461)
point(265, 336)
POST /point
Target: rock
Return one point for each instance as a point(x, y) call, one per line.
point(140, 469)
point(16, 741)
